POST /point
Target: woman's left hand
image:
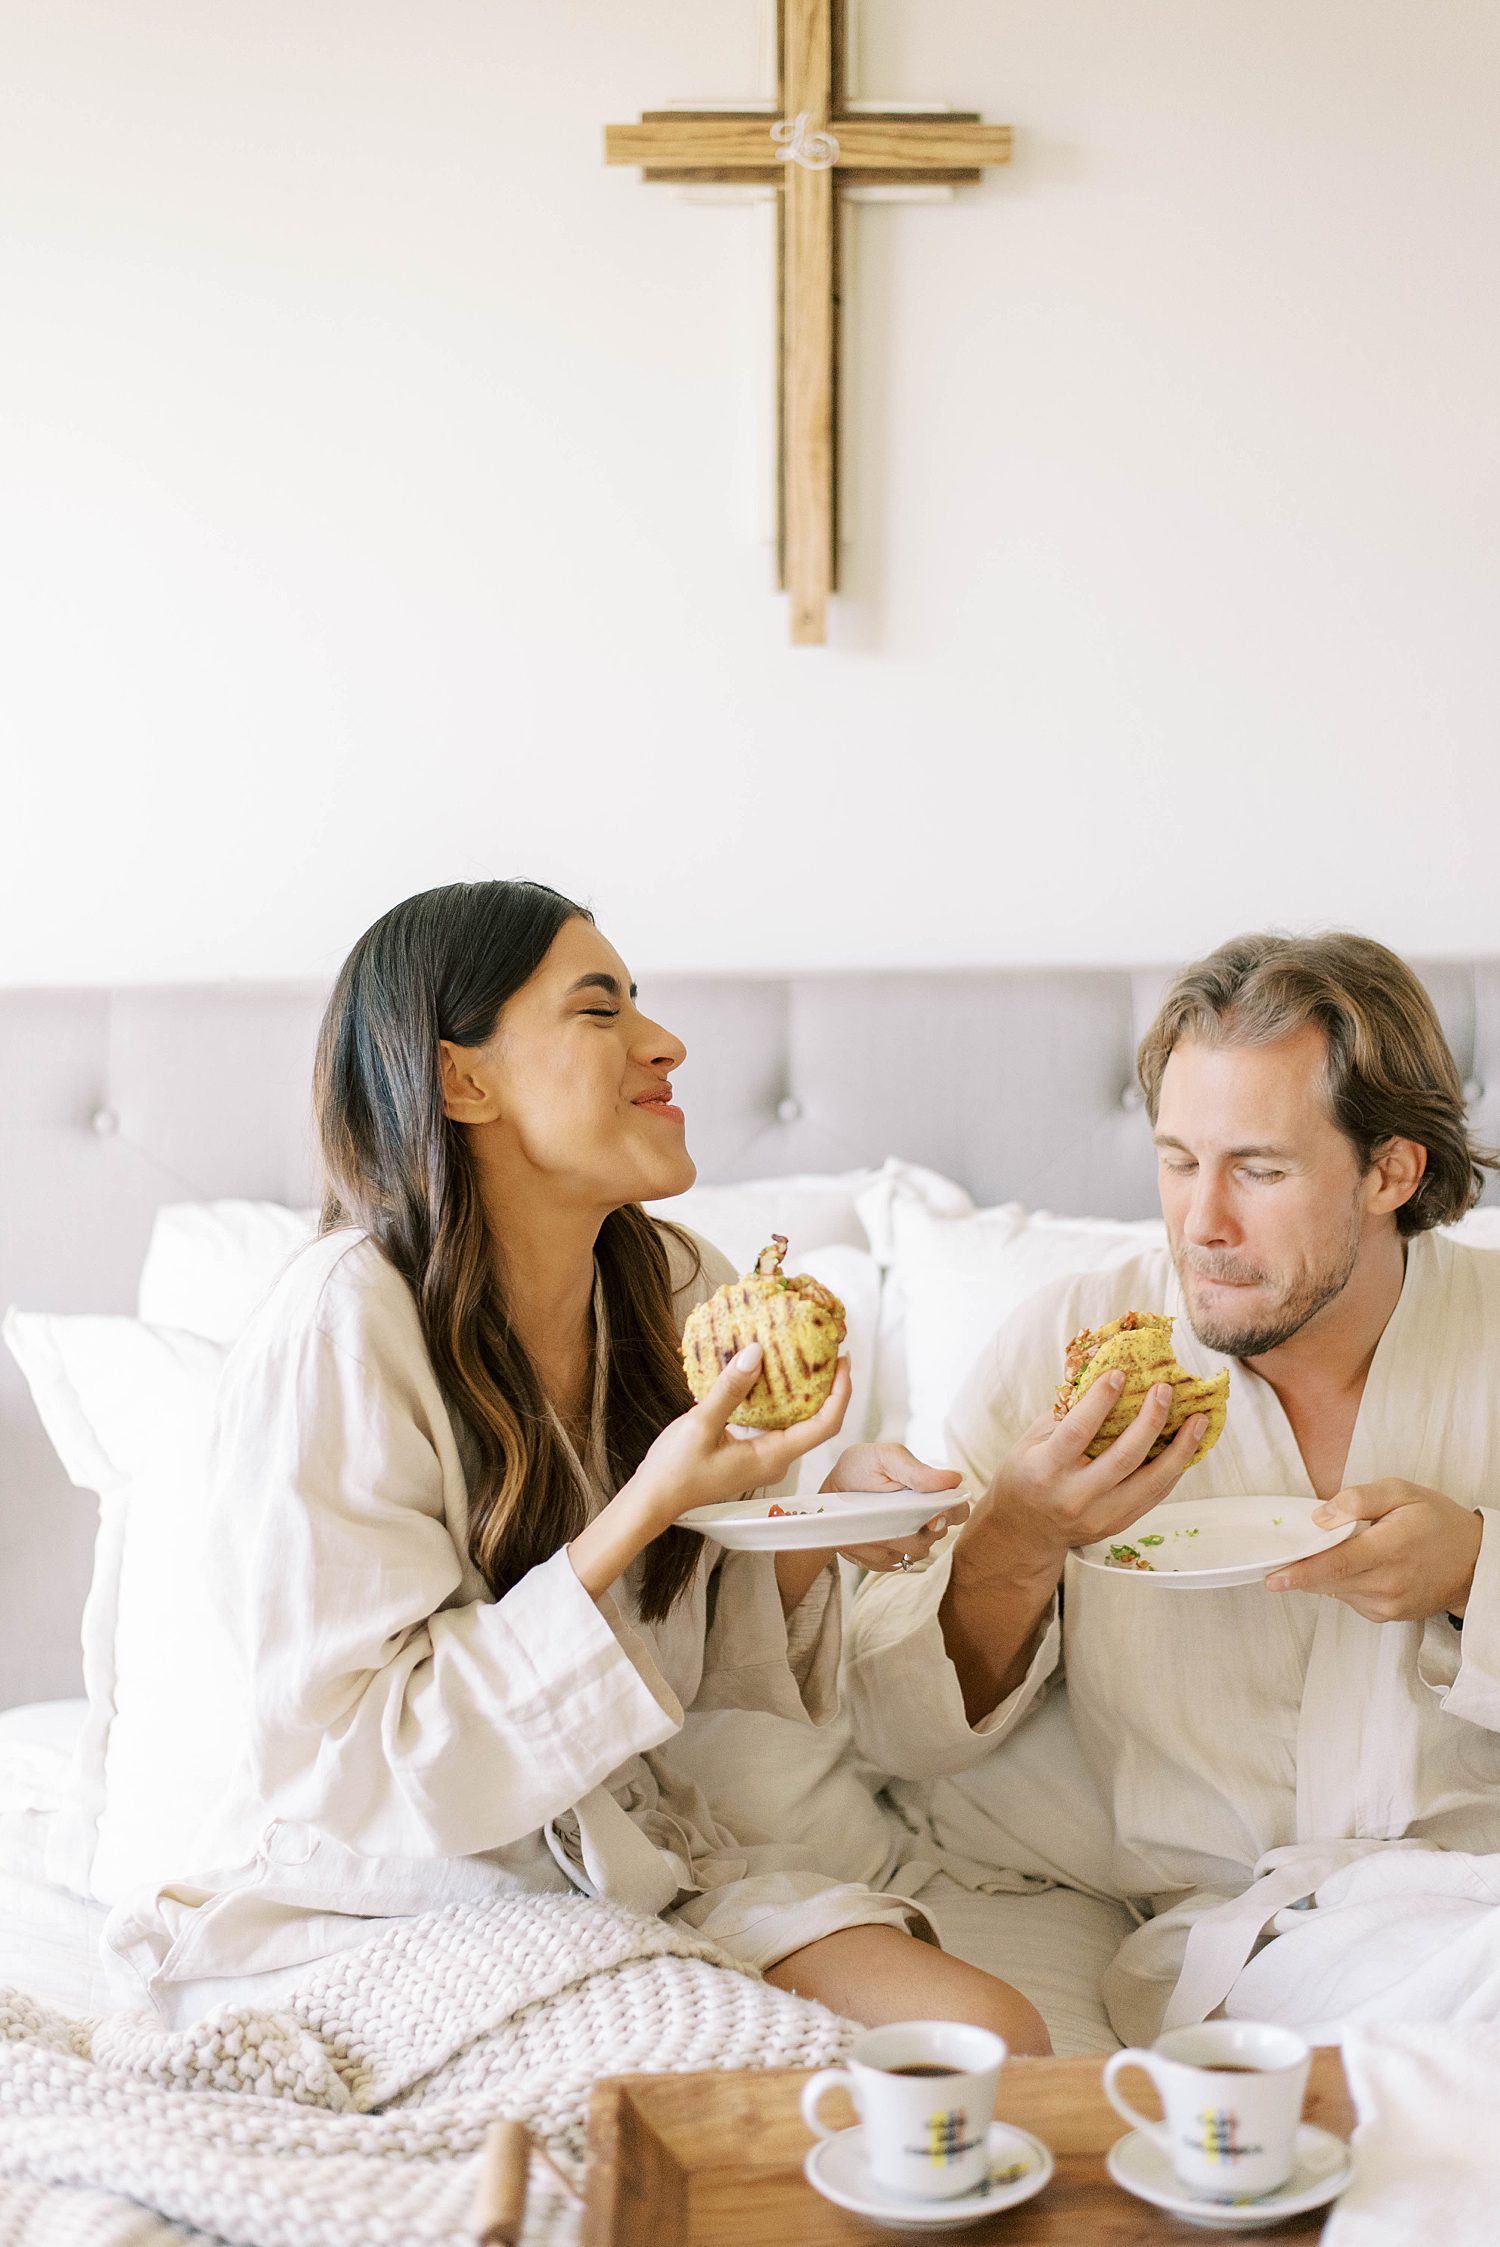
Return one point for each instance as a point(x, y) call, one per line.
point(890, 1466)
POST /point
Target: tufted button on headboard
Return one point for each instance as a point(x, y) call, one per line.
point(1018, 1082)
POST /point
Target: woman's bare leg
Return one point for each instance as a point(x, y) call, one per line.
point(875, 1974)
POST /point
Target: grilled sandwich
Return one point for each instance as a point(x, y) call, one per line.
point(799, 1325)
point(1139, 1345)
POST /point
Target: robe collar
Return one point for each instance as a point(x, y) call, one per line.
point(591, 1466)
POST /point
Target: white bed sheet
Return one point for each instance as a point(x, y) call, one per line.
point(1052, 1944)
point(49, 1938)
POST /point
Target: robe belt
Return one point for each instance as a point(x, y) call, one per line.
point(604, 1853)
point(1220, 1942)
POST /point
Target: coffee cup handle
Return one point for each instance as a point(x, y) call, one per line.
point(1114, 2066)
point(814, 2093)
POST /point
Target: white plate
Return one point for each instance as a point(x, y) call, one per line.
point(837, 2167)
point(1208, 1545)
point(1322, 2168)
point(833, 1517)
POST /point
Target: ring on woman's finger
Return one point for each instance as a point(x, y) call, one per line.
point(905, 1561)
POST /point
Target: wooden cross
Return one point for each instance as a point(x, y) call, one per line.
point(816, 145)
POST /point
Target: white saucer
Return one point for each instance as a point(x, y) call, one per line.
point(1322, 2168)
point(1208, 1544)
point(837, 2168)
point(829, 1518)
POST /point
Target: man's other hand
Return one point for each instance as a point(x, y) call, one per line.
point(1049, 1496)
point(1416, 1558)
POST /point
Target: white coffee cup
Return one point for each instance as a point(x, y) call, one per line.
point(927, 2132)
point(1232, 2095)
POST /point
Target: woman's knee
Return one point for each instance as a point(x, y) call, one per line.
point(1014, 2017)
point(877, 1974)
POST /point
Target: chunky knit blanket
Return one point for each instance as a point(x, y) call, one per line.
point(352, 2116)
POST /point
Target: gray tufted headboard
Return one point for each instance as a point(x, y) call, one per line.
point(1019, 1083)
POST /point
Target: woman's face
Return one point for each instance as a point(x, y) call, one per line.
point(573, 1089)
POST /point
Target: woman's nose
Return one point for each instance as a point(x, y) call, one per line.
point(659, 1048)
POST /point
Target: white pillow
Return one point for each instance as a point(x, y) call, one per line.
point(129, 1409)
point(902, 1185)
point(209, 1264)
point(1479, 1229)
point(813, 1212)
point(954, 1279)
point(846, 1209)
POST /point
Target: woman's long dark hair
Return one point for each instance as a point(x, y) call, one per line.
point(442, 965)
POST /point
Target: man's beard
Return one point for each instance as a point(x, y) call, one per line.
point(1311, 1293)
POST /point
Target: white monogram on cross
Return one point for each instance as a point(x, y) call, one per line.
point(818, 151)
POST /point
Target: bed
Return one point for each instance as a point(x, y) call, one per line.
point(918, 1126)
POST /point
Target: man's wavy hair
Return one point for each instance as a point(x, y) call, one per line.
point(1389, 1073)
point(442, 965)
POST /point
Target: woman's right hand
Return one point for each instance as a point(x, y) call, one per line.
point(696, 1461)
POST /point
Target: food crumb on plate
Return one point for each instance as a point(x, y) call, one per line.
point(1126, 1556)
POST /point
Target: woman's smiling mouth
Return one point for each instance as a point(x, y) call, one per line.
point(658, 1102)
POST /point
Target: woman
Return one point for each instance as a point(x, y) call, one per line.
point(451, 1451)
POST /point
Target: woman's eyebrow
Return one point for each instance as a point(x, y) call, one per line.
point(598, 982)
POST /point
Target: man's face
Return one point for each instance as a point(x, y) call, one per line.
point(1263, 1196)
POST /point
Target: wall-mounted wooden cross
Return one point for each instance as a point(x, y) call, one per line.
point(815, 145)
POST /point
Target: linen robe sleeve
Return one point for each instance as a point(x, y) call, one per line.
point(904, 1697)
point(1463, 1667)
point(386, 1710)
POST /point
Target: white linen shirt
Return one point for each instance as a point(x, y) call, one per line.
point(404, 1740)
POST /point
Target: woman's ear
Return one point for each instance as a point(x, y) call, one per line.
point(1396, 1171)
point(468, 1095)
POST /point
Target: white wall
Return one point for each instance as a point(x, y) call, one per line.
point(381, 488)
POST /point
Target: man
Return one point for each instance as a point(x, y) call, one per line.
point(1330, 1740)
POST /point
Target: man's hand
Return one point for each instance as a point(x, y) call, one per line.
point(1048, 1495)
point(1416, 1558)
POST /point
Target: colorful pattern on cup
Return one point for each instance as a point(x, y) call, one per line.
point(1231, 2094)
point(926, 2135)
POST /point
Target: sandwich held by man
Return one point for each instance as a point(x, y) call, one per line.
point(1301, 1776)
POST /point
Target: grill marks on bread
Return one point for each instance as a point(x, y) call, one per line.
point(1139, 1345)
point(799, 1325)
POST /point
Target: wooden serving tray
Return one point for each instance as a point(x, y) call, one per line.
point(716, 2161)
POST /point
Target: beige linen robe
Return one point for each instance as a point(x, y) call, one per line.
point(1253, 1753)
point(396, 1738)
